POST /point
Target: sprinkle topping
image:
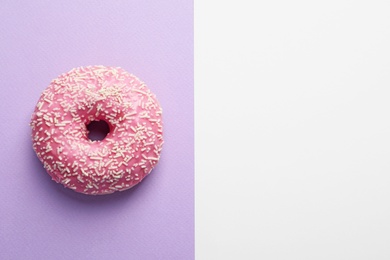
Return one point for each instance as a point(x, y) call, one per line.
point(60, 137)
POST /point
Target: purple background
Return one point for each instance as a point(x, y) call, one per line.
point(40, 219)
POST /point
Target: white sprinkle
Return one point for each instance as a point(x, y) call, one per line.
point(84, 172)
point(122, 162)
point(47, 100)
point(117, 155)
point(140, 91)
point(56, 140)
point(80, 179)
point(108, 162)
point(98, 173)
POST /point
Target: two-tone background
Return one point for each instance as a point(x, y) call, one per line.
point(291, 129)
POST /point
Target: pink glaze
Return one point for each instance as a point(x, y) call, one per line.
point(60, 137)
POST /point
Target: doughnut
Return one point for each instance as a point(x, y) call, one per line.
point(131, 148)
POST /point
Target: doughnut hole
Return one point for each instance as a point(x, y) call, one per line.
point(98, 130)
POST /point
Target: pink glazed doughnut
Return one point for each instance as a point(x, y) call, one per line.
point(124, 157)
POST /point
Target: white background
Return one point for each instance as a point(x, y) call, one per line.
point(292, 129)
